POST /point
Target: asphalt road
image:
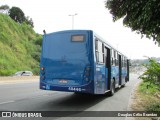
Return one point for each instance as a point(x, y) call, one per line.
point(28, 97)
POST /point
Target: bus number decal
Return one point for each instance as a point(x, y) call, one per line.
point(74, 89)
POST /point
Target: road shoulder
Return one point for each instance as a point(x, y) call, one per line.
point(18, 79)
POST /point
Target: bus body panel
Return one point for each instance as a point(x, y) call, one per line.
point(71, 66)
point(124, 75)
point(115, 74)
point(100, 79)
point(66, 63)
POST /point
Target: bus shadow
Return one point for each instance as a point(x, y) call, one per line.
point(77, 105)
point(81, 101)
point(71, 102)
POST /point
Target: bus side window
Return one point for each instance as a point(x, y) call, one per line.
point(125, 62)
point(99, 46)
point(100, 52)
point(116, 58)
point(113, 57)
point(122, 61)
point(96, 45)
point(96, 50)
point(103, 53)
point(117, 62)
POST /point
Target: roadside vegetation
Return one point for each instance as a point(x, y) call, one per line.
point(19, 46)
point(150, 94)
point(150, 87)
point(147, 94)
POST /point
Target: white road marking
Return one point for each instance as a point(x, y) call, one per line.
point(6, 102)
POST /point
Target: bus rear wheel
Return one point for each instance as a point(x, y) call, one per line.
point(112, 90)
point(123, 85)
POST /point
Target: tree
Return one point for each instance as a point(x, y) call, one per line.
point(17, 14)
point(4, 9)
point(140, 15)
point(29, 21)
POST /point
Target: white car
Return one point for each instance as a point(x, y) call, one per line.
point(23, 73)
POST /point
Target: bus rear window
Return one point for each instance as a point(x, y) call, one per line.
point(78, 38)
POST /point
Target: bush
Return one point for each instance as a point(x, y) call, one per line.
point(152, 74)
point(36, 71)
point(38, 40)
point(151, 84)
point(154, 107)
point(36, 56)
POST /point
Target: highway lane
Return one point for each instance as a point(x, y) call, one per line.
point(28, 97)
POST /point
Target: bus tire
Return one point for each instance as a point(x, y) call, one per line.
point(112, 89)
point(123, 85)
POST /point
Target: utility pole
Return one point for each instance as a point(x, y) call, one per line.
point(72, 15)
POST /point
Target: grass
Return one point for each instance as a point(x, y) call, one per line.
point(151, 95)
point(146, 98)
point(20, 47)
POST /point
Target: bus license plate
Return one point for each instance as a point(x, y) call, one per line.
point(63, 81)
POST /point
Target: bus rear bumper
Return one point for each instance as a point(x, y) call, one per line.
point(81, 89)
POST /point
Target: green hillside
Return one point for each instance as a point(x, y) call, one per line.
point(19, 47)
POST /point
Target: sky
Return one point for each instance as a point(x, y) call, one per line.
point(53, 15)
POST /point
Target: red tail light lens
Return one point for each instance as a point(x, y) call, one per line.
point(87, 72)
point(42, 68)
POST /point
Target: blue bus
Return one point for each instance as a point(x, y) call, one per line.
point(82, 62)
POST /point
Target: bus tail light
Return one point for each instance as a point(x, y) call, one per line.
point(43, 77)
point(87, 73)
point(42, 68)
point(42, 73)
